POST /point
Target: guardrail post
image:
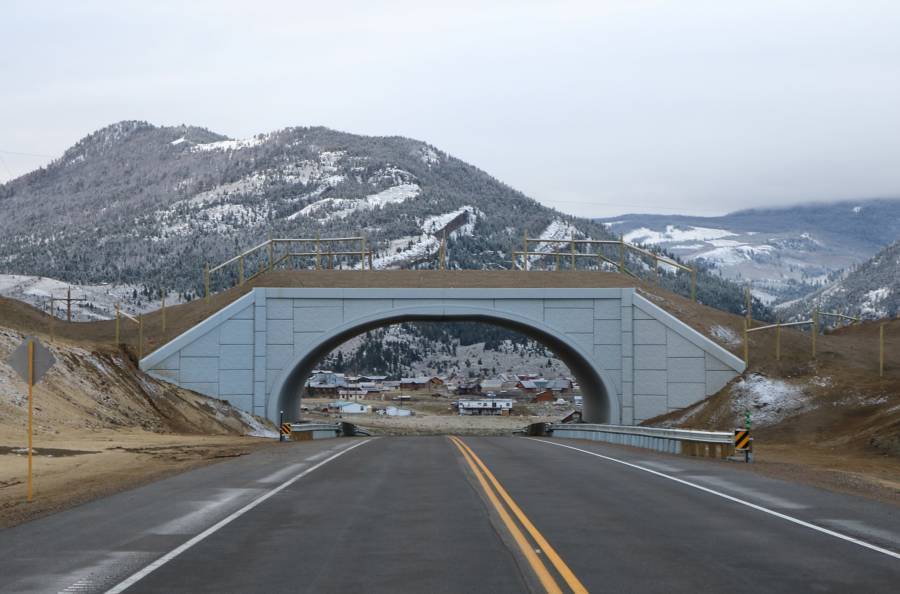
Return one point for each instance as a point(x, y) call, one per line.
point(140, 336)
point(271, 249)
point(694, 284)
point(558, 261)
point(572, 249)
point(206, 281)
point(241, 271)
point(317, 250)
point(881, 350)
point(362, 254)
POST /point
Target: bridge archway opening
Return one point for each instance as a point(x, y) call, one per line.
point(599, 403)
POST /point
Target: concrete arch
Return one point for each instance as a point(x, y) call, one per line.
point(600, 402)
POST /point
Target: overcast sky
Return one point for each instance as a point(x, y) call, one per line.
point(595, 108)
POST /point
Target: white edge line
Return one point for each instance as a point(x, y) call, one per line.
point(136, 577)
point(766, 510)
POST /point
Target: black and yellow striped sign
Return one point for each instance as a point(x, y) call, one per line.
point(286, 429)
point(741, 439)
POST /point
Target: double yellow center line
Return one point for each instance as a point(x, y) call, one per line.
point(495, 493)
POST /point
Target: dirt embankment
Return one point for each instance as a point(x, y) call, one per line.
point(831, 420)
point(101, 425)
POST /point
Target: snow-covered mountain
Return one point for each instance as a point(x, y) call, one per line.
point(786, 252)
point(94, 302)
point(870, 290)
point(137, 204)
point(148, 206)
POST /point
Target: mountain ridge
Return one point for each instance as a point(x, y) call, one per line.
point(139, 204)
point(787, 252)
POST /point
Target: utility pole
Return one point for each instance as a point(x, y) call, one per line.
point(69, 300)
point(749, 304)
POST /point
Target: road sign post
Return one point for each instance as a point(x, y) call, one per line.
point(743, 442)
point(31, 360)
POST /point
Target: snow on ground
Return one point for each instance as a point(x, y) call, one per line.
point(725, 335)
point(429, 156)
point(101, 299)
point(557, 230)
point(178, 141)
point(437, 223)
point(870, 305)
point(732, 255)
point(672, 233)
point(230, 145)
point(418, 247)
point(765, 297)
point(769, 401)
point(258, 428)
point(340, 208)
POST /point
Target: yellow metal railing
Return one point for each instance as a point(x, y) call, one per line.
point(814, 321)
point(322, 251)
point(573, 254)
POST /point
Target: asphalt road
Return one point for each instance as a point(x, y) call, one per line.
point(486, 514)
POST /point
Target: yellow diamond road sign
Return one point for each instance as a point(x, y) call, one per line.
point(43, 360)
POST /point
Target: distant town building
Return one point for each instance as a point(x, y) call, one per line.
point(485, 406)
point(325, 383)
point(420, 383)
point(491, 385)
point(560, 385)
point(393, 411)
point(528, 386)
point(545, 396)
point(349, 408)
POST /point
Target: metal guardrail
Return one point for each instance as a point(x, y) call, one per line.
point(717, 444)
point(323, 430)
point(316, 430)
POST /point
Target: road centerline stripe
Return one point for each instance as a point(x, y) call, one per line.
point(525, 547)
point(560, 565)
point(139, 575)
point(738, 500)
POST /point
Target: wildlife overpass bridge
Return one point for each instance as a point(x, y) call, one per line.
point(632, 359)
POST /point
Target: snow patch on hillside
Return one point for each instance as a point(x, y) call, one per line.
point(100, 304)
point(725, 335)
point(672, 233)
point(231, 145)
point(872, 304)
point(768, 400)
point(732, 255)
point(429, 156)
point(419, 247)
point(329, 209)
